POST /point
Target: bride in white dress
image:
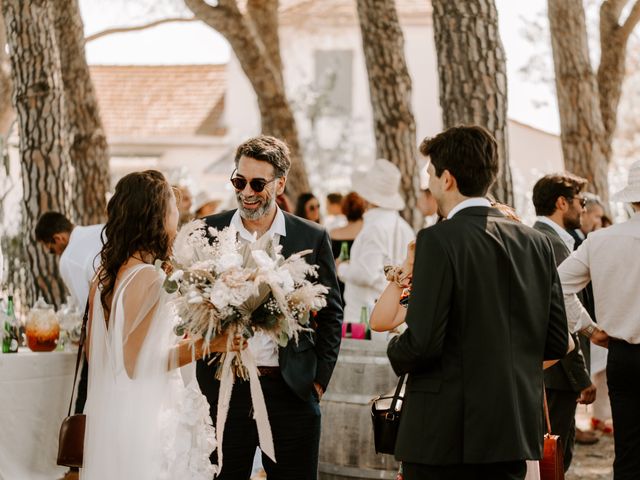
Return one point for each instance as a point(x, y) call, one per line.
point(146, 417)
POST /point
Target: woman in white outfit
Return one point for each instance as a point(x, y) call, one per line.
point(146, 417)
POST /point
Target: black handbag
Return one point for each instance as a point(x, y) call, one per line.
point(385, 414)
point(71, 437)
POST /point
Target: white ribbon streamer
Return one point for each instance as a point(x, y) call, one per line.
point(224, 398)
point(260, 415)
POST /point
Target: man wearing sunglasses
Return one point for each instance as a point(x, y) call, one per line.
point(559, 204)
point(293, 378)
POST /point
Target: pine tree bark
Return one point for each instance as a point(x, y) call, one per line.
point(582, 130)
point(7, 114)
point(614, 38)
point(262, 70)
point(390, 91)
point(473, 75)
point(88, 148)
point(44, 147)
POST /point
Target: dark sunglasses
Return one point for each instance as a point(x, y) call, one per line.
point(583, 201)
point(257, 184)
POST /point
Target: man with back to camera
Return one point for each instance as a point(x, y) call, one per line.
point(484, 311)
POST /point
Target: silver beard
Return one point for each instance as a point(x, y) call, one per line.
point(257, 213)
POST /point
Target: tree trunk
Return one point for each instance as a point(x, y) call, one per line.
point(88, 147)
point(582, 129)
point(390, 91)
point(473, 75)
point(44, 147)
point(7, 114)
point(612, 69)
point(265, 76)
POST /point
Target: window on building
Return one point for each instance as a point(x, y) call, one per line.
point(334, 80)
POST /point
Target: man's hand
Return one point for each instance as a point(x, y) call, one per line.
point(588, 395)
point(319, 390)
point(600, 338)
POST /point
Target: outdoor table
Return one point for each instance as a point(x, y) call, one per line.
point(34, 398)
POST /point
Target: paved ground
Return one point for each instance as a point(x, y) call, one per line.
point(593, 462)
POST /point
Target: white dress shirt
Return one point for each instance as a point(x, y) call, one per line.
point(468, 203)
point(565, 236)
point(610, 259)
point(80, 261)
point(382, 241)
point(261, 345)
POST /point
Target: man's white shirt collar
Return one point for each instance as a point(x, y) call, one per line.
point(278, 227)
point(568, 240)
point(468, 203)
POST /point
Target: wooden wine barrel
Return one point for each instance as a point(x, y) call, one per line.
point(346, 445)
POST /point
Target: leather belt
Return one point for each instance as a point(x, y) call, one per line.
point(273, 372)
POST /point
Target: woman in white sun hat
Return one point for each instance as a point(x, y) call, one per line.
point(382, 241)
point(610, 259)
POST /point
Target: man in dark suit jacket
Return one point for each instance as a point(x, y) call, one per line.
point(485, 310)
point(559, 205)
point(292, 378)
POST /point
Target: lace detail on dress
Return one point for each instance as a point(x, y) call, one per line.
point(189, 436)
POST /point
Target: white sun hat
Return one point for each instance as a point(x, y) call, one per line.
point(380, 185)
point(630, 193)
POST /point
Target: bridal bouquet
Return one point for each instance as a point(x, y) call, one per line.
point(224, 285)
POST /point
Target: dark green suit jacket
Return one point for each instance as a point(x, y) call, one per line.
point(486, 309)
point(571, 373)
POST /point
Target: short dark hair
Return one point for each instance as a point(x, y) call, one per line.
point(353, 206)
point(301, 203)
point(51, 223)
point(549, 188)
point(266, 149)
point(334, 198)
point(469, 152)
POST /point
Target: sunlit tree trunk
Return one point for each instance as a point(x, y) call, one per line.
point(473, 75)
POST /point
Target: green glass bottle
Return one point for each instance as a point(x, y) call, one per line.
point(10, 329)
point(364, 319)
point(344, 252)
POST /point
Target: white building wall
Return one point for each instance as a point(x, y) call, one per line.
point(532, 152)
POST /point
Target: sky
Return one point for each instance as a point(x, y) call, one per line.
point(530, 102)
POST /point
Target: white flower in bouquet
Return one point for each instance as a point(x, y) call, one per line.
point(224, 285)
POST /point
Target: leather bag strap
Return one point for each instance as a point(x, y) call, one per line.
point(83, 335)
point(546, 409)
point(396, 395)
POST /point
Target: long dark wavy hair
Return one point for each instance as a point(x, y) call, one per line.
point(136, 223)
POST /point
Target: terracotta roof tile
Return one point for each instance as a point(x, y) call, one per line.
point(345, 11)
point(161, 100)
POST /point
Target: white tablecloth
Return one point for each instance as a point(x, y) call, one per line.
point(34, 398)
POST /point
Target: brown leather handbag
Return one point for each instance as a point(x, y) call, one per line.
point(552, 463)
point(71, 437)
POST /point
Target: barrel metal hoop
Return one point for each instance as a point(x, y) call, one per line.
point(356, 472)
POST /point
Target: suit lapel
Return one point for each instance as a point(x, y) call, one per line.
point(288, 242)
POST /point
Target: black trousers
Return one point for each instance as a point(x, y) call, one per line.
point(295, 425)
point(623, 380)
point(490, 471)
point(562, 413)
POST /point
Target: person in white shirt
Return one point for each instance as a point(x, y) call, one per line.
point(79, 251)
point(610, 259)
point(382, 241)
point(294, 377)
point(78, 248)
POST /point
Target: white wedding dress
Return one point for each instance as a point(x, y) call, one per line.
point(144, 421)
